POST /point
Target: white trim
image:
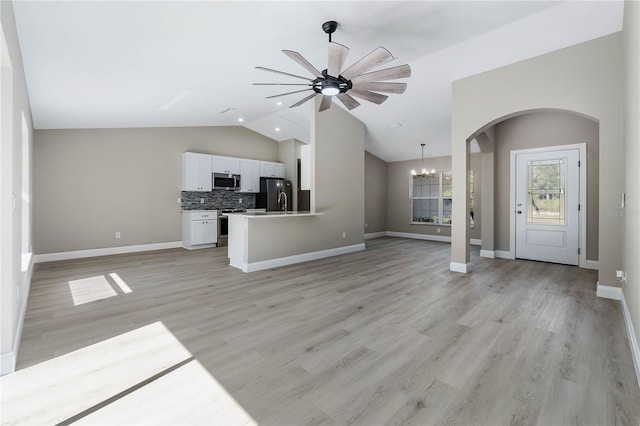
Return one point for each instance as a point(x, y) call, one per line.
point(582, 214)
point(440, 238)
point(8, 359)
point(375, 235)
point(489, 254)
point(78, 254)
point(631, 335)
point(460, 267)
point(297, 258)
point(608, 292)
point(7, 363)
point(475, 242)
point(503, 254)
point(592, 264)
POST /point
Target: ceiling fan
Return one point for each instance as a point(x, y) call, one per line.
point(355, 81)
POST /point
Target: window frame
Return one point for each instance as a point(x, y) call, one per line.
point(440, 199)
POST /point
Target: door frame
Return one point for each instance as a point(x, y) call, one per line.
point(582, 197)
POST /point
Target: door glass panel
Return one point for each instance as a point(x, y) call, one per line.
point(546, 186)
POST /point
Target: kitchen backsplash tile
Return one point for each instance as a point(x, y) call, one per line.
point(218, 199)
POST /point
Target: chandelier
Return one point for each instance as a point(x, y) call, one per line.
point(424, 173)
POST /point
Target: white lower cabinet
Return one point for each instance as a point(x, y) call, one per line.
point(199, 229)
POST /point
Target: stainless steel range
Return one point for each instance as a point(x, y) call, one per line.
point(223, 225)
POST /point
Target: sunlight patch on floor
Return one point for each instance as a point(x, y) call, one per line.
point(90, 289)
point(120, 282)
point(188, 395)
point(60, 388)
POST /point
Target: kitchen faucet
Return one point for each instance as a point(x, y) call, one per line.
point(285, 199)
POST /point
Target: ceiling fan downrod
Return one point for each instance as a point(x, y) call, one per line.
point(330, 27)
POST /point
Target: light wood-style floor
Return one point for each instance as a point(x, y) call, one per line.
point(383, 336)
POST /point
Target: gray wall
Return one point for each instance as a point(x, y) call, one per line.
point(585, 79)
point(631, 234)
point(398, 196)
point(537, 130)
point(375, 197)
point(88, 184)
point(337, 191)
point(13, 104)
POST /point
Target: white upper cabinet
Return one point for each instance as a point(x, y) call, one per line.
point(196, 172)
point(249, 176)
point(270, 169)
point(228, 165)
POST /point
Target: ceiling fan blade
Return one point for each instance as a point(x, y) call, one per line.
point(300, 102)
point(325, 103)
point(337, 56)
point(283, 73)
point(285, 94)
point(376, 98)
point(282, 84)
point(378, 86)
point(302, 61)
point(348, 101)
point(378, 57)
point(401, 71)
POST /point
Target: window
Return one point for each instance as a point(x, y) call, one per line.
point(431, 198)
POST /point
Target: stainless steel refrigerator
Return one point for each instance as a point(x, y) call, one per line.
point(269, 197)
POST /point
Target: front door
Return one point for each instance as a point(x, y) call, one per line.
point(547, 203)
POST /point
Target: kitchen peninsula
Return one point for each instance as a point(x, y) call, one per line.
point(263, 240)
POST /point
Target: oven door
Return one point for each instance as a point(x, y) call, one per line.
point(223, 230)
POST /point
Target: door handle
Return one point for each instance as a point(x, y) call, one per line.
point(519, 212)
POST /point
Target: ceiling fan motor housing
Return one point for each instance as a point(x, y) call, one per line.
point(320, 85)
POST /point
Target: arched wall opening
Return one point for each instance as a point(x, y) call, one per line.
point(586, 79)
point(533, 129)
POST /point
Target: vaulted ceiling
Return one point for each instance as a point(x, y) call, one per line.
point(96, 64)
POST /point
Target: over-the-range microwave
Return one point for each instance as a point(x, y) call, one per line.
point(225, 181)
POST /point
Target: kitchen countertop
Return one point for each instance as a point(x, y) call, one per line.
point(254, 215)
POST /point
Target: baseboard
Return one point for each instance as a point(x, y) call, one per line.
point(592, 264)
point(631, 335)
point(489, 254)
point(8, 359)
point(297, 258)
point(79, 254)
point(440, 238)
point(608, 292)
point(375, 235)
point(501, 254)
point(460, 267)
point(7, 363)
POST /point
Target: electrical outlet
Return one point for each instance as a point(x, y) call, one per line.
point(344, 235)
point(438, 230)
point(179, 201)
point(240, 201)
point(117, 235)
point(201, 200)
point(366, 225)
point(621, 276)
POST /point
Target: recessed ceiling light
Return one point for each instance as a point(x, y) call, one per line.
point(277, 129)
point(241, 119)
point(279, 103)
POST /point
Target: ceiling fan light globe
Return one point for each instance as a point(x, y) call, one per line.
point(330, 91)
